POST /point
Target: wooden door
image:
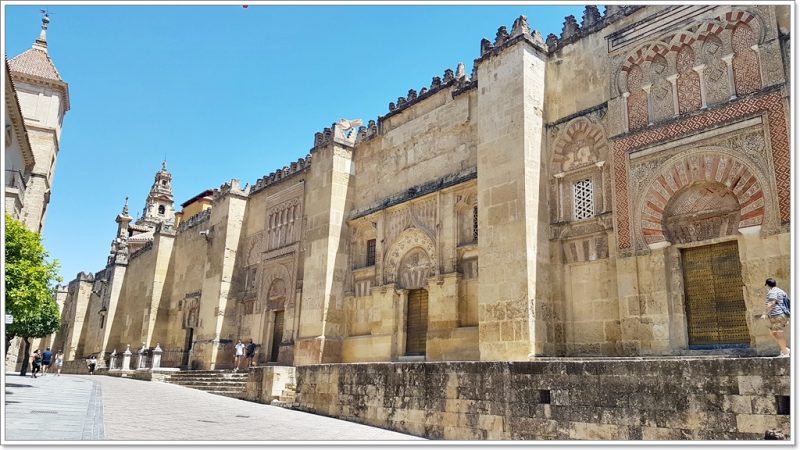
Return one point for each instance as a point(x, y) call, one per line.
point(715, 308)
point(277, 336)
point(417, 322)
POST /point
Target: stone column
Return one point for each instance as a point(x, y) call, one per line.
point(761, 73)
point(156, 357)
point(126, 358)
point(625, 123)
point(560, 214)
point(699, 69)
point(731, 83)
point(673, 80)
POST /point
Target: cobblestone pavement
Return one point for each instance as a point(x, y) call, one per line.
point(151, 411)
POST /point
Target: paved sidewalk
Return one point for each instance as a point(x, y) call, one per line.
point(51, 408)
point(150, 411)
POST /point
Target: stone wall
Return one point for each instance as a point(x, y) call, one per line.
point(610, 399)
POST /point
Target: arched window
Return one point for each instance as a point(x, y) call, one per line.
point(745, 61)
point(688, 81)
point(637, 102)
point(161, 210)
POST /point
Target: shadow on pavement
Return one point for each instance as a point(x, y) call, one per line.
point(18, 385)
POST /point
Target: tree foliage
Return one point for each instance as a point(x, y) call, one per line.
point(30, 281)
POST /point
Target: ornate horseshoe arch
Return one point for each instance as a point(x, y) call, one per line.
point(714, 165)
point(409, 239)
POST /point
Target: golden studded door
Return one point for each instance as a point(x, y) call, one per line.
point(417, 322)
point(715, 308)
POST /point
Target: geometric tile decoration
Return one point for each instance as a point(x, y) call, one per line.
point(739, 109)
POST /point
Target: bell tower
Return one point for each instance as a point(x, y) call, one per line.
point(43, 99)
point(159, 205)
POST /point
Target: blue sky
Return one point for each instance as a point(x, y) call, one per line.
point(225, 92)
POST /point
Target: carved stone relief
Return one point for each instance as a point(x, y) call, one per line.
point(415, 269)
point(409, 239)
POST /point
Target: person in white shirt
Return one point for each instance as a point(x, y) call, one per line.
point(59, 362)
point(238, 355)
point(778, 318)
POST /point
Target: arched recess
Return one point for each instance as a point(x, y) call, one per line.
point(706, 184)
point(579, 154)
point(277, 294)
point(408, 240)
point(746, 73)
point(272, 273)
point(467, 214)
point(582, 143)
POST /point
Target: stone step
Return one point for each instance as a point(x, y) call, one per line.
point(210, 374)
point(217, 389)
point(242, 379)
point(203, 383)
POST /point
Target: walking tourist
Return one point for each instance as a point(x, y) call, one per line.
point(777, 312)
point(47, 356)
point(36, 361)
point(91, 363)
point(59, 362)
point(239, 347)
point(251, 352)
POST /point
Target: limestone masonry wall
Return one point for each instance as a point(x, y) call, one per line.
point(633, 399)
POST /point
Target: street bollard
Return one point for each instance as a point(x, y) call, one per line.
point(112, 362)
point(126, 358)
point(157, 356)
point(141, 363)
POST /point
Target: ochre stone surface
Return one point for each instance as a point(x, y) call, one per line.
point(610, 399)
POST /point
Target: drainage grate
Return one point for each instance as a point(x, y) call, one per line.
point(44, 412)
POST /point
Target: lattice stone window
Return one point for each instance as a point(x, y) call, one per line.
point(371, 252)
point(582, 199)
point(475, 224)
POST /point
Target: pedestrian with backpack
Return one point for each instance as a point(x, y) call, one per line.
point(776, 310)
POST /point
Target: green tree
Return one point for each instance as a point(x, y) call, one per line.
point(30, 281)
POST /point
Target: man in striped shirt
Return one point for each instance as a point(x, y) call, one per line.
point(777, 318)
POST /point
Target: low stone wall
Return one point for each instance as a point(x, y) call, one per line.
point(266, 383)
point(603, 399)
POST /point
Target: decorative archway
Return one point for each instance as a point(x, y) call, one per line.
point(410, 239)
point(691, 183)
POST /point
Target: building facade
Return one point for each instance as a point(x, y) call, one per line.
point(620, 190)
point(36, 100)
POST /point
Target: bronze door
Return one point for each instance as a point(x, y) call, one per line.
point(417, 322)
point(277, 336)
point(715, 308)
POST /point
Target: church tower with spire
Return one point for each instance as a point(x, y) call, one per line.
point(159, 205)
point(44, 100)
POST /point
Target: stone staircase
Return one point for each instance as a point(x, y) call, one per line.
point(216, 382)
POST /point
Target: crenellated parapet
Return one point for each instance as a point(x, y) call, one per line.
point(591, 22)
point(231, 187)
point(520, 30)
point(195, 220)
point(457, 81)
point(283, 173)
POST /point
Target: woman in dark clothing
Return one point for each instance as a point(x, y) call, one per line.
point(37, 363)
